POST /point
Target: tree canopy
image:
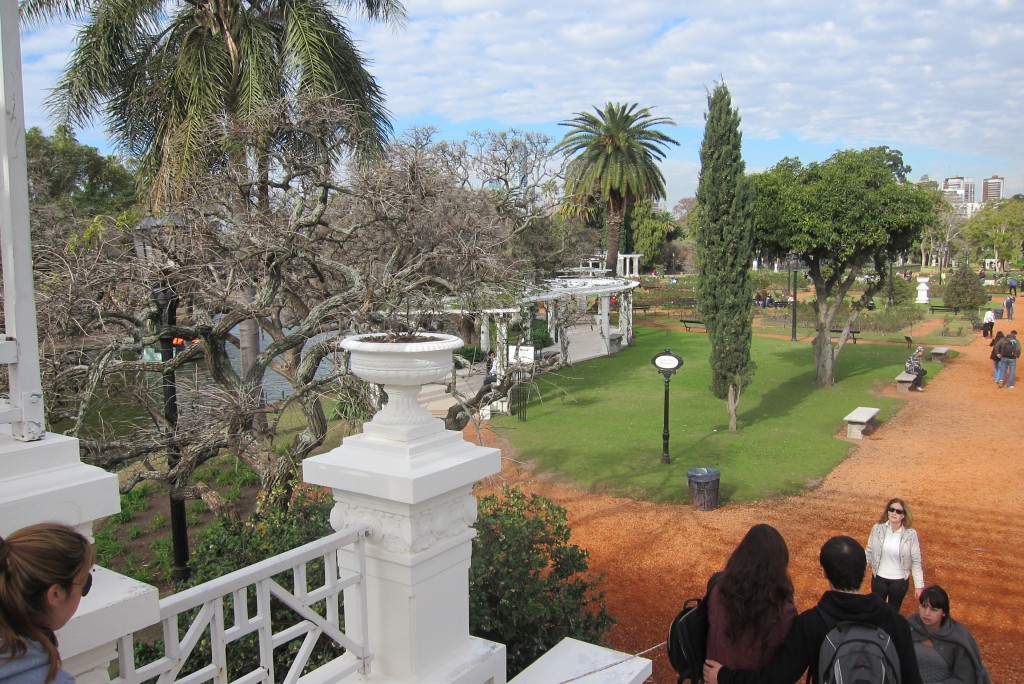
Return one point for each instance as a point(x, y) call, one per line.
point(997, 230)
point(845, 218)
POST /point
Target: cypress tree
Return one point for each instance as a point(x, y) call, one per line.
point(725, 250)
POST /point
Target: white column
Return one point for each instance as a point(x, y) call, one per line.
point(411, 481)
point(626, 316)
point(485, 332)
point(25, 386)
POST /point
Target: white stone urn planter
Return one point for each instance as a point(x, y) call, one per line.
point(403, 367)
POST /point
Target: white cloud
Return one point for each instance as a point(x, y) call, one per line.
point(940, 79)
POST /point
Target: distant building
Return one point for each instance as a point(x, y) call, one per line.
point(992, 188)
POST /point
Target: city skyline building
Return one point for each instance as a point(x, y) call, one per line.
point(992, 188)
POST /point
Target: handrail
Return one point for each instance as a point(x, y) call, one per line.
point(209, 622)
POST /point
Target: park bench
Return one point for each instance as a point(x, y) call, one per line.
point(860, 421)
point(853, 333)
point(944, 309)
point(939, 354)
point(904, 380)
point(693, 323)
point(643, 307)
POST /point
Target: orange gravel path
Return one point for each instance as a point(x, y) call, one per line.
point(952, 452)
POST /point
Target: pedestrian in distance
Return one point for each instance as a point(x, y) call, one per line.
point(946, 650)
point(750, 606)
point(844, 563)
point(913, 366)
point(1012, 283)
point(45, 570)
point(1008, 351)
point(994, 355)
point(491, 373)
point(988, 322)
point(1008, 305)
point(894, 554)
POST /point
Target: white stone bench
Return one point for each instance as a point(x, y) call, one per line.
point(860, 421)
point(939, 354)
point(904, 380)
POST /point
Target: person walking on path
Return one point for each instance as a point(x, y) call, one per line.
point(1008, 305)
point(988, 322)
point(894, 554)
point(1013, 285)
point(1008, 351)
point(994, 355)
point(913, 366)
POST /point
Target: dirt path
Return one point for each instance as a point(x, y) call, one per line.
point(952, 453)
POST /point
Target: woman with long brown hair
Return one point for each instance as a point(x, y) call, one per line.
point(45, 570)
point(894, 554)
point(751, 607)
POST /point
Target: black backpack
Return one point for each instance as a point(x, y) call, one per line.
point(1011, 348)
point(857, 653)
point(688, 637)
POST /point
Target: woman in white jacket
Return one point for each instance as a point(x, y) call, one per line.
point(894, 554)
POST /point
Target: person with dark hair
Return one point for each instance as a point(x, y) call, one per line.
point(987, 323)
point(946, 650)
point(750, 607)
point(994, 355)
point(491, 372)
point(1008, 351)
point(844, 563)
point(45, 570)
point(894, 554)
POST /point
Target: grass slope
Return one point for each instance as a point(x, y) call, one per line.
point(600, 424)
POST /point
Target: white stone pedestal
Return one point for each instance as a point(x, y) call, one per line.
point(410, 481)
point(922, 290)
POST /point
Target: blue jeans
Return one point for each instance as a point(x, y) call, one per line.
point(1007, 370)
point(997, 370)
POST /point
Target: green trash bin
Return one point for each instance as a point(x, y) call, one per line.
point(703, 483)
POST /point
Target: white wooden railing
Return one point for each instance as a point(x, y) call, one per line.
point(208, 626)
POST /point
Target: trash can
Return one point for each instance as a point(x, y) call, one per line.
point(703, 483)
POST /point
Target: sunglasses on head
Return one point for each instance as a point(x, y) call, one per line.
point(897, 511)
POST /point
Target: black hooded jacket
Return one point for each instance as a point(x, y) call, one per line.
point(801, 648)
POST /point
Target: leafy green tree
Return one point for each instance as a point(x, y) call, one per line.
point(845, 218)
point(617, 153)
point(964, 289)
point(997, 229)
point(650, 230)
point(528, 586)
point(725, 250)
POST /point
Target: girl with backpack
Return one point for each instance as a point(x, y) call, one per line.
point(750, 607)
point(45, 570)
point(946, 651)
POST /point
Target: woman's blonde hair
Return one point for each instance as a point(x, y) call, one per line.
point(32, 560)
point(908, 518)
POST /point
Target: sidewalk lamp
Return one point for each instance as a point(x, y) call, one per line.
point(667, 363)
point(793, 262)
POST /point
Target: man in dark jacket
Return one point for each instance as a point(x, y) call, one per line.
point(844, 563)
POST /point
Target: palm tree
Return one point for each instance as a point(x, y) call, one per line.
point(168, 77)
point(618, 149)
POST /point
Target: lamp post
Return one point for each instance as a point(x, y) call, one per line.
point(166, 300)
point(792, 263)
point(667, 364)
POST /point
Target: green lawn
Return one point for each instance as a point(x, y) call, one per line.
point(600, 424)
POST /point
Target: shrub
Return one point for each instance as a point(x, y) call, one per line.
point(964, 290)
point(891, 319)
point(530, 588)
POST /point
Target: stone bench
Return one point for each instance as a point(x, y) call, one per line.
point(939, 354)
point(860, 421)
point(904, 380)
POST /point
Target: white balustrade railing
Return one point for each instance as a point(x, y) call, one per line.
point(208, 636)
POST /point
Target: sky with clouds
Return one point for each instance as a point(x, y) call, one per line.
point(941, 81)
